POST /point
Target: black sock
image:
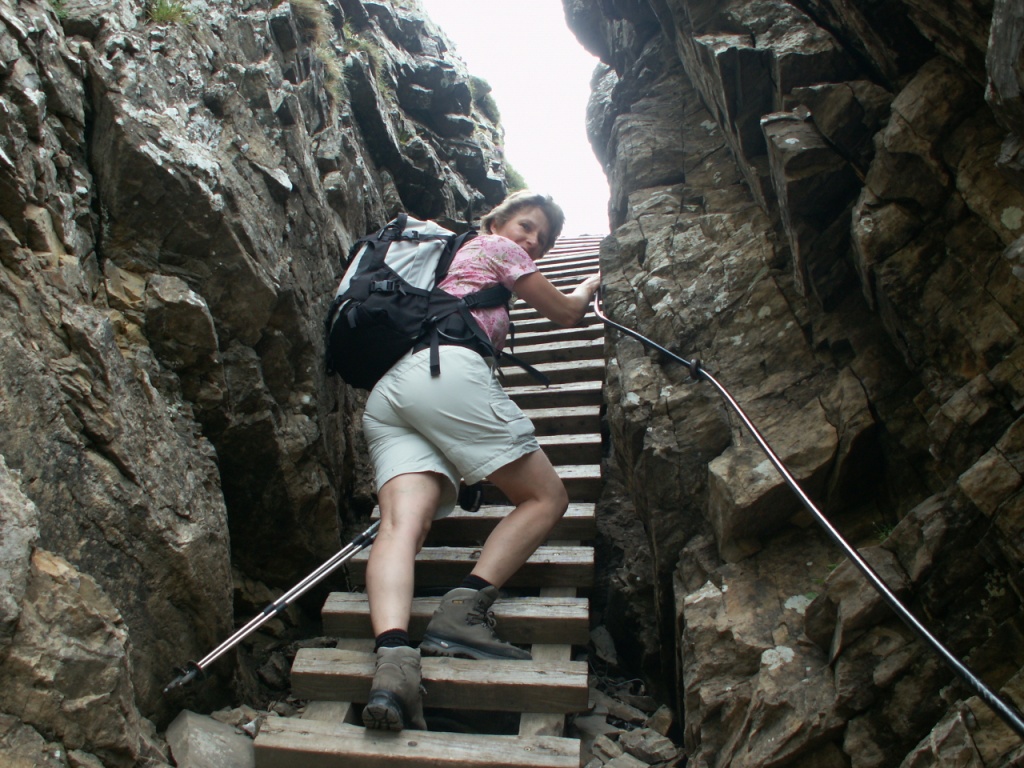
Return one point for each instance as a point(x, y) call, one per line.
point(474, 582)
point(392, 638)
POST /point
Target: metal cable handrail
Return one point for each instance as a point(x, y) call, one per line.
point(1005, 711)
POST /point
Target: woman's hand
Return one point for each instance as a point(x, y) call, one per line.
point(564, 309)
point(590, 286)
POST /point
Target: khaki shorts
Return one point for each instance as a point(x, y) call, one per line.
point(460, 424)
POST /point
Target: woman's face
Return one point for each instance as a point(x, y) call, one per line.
point(528, 228)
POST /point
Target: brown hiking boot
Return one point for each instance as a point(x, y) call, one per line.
point(396, 696)
point(463, 625)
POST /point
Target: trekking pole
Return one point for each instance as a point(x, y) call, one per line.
point(1005, 711)
point(197, 669)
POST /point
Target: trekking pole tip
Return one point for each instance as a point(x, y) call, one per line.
point(186, 675)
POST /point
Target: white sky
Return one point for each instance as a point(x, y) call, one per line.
point(541, 80)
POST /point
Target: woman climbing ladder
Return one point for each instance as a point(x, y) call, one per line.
point(426, 433)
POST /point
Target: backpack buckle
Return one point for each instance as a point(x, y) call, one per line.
point(384, 286)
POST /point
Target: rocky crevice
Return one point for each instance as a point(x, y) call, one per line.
point(175, 202)
point(820, 202)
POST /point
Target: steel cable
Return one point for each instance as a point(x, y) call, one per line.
point(1005, 711)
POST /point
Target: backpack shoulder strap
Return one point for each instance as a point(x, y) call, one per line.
point(445, 262)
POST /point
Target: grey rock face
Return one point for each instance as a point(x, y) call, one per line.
point(175, 202)
point(821, 201)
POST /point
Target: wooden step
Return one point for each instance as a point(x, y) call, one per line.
point(547, 723)
point(330, 674)
point(562, 421)
point(582, 483)
point(567, 280)
point(293, 743)
point(588, 252)
point(588, 263)
point(559, 373)
point(522, 311)
point(577, 268)
point(462, 527)
point(567, 394)
point(587, 349)
point(523, 620)
point(446, 566)
point(549, 335)
point(564, 449)
point(540, 323)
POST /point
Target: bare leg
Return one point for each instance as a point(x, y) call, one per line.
point(407, 507)
point(532, 484)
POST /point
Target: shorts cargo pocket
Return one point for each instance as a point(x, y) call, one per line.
point(519, 426)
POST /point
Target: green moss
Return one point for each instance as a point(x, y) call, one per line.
point(59, 8)
point(353, 41)
point(482, 98)
point(514, 180)
point(334, 74)
point(883, 531)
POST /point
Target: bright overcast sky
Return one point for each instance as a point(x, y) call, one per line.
point(541, 80)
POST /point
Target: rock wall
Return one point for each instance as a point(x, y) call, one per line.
point(824, 202)
point(176, 196)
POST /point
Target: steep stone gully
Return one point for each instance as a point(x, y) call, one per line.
point(522, 707)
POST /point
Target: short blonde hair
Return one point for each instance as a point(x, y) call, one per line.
point(524, 198)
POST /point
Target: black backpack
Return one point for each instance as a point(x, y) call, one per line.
point(388, 302)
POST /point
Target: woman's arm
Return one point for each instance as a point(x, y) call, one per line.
point(563, 309)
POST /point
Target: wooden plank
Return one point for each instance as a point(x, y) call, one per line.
point(339, 711)
point(525, 337)
point(583, 483)
point(570, 267)
point(571, 393)
point(330, 711)
point(446, 566)
point(561, 421)
point(558, 372)
point(504, 686)
point(521, 311)
point(535, 324)
point(462, 527)
point(523, 620)
point(544, 723)
point(293, 743)
point(586, 256)
point(547, 723)
point(565, 449)
point(585, 349)
point(569, 278)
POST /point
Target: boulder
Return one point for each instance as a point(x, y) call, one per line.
point(67, 667)
point(197, 741)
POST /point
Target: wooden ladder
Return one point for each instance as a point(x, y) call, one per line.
point(543, 608)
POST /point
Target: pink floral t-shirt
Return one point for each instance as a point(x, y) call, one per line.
point(483, 262)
